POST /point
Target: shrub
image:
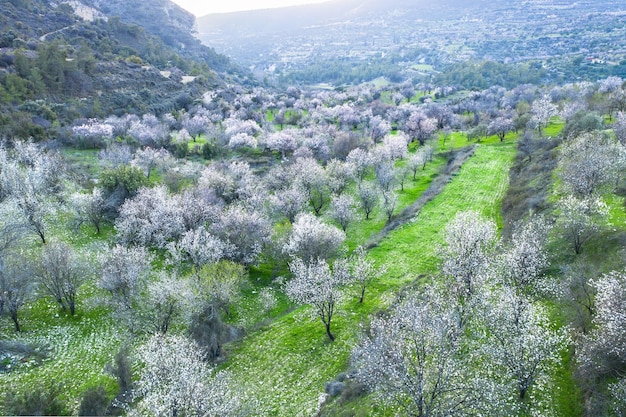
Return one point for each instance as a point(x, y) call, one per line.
point(94, 403)
point(38, 401)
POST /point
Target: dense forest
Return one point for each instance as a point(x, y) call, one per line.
point(179, 239)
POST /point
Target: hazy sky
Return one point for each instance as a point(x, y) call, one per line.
point(204, 7)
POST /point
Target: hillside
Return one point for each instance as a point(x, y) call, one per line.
point(73, 59)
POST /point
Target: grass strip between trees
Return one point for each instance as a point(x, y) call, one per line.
point(286, 363)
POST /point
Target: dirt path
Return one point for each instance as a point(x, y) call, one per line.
point(455, 162)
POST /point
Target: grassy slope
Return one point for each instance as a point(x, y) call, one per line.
point(287, 363)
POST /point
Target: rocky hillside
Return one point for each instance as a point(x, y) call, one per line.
point(60, 61)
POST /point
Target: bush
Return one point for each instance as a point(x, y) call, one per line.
point(121, 183)
point(334, 388)
point(94, 403)
point(39, 401)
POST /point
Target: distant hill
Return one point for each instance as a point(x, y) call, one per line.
point(281, 20)
point(353, 41)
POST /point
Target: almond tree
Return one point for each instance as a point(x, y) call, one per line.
point(310, 239)
point(149, 131)
point(289, 202)
point(175, 381)
point(395, 146)
point(523, 261)
point(469, 244)
point(285, 142)
point(416, 161)
point(390, 200)
point(166, 298)
point(521, 345)
point(362, 162)
point(603, 350)
point(152, 217)
point(93, 133)
point(245, 230)
point(589, 163)
point(342, 210)
point(314, 283)
point(89, 208)
point(29, 179)
point(541, 111)
point(339, 174)
point(580, 219)
point(500, 126)
point(311, 177)
point(385, 175)
point(196, 125)
point(149, 158)
point(369, 197)
point(620, 128)
point(17, 286)
point(199, 247)
point(411, 357)
point(419, 126)
point(379, 128)
point(61, 272)
point(363, 271)
point(124, 276)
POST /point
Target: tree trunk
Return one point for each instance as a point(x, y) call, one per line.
point(42, 236)
point(15, 321)
point(330, 335)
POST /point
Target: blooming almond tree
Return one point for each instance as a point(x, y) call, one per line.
point(176, 381)
point(523, 261)
point(412, 358)
point(342, 210)
point(580, 219)
point(541, 111)
point(152, 217)
point(61, 272)
point(469, 242)
point(603, 350)
point(314, 283)
point(311, 239)
point(363, 270)
point(521, 345)
point(589, 163)
point(124, 276)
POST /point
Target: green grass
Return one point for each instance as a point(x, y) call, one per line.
point(359, 231)
point(287, 363)
point(78, 347)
